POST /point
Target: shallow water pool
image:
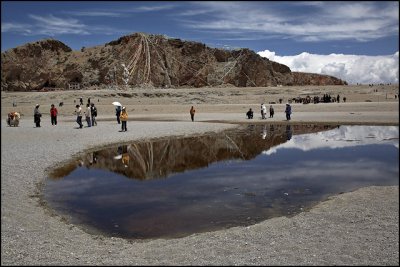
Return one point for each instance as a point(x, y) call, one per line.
point(174, 187)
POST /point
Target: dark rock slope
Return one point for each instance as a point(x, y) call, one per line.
point(144, 60)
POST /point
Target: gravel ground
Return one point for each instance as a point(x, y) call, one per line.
point(357, 228)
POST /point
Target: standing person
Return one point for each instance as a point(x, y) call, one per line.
point(288, 111)
point(88, 100)
point(37, 115)
point(338, 98)
point(81, 100)
point(94, 114)
point(271, 111)
point(78, 112)
point(264, 111)
point(118, 113)
point(88, 114)
point(124, 119)
point(192, 112)
point(249, 114)
point(53, 114)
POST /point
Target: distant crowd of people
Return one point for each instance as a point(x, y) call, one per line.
point(326, 98)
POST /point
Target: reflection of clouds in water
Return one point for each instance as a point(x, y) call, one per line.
point(72, 187)
point(320, 173)
point(344, 136)
point(367, 169)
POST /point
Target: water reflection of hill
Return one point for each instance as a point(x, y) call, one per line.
point(162, 157)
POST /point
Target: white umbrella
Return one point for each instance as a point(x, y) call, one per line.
point(117, 104)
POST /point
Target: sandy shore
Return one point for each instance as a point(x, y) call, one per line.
point(356, 228)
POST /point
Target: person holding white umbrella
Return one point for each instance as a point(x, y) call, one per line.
point(117, 110)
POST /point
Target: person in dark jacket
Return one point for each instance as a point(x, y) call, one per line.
point(271, 111)
point(250, 114)
point(118, 113)
point(94, 114)
point(288, 111)
point(37, 115)
point(192, 112)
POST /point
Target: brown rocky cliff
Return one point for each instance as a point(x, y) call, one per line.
point(143, 60)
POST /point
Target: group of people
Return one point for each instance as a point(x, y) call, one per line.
point(288, 112)
point(122, 115)
point(250, 113)
point(90, 115)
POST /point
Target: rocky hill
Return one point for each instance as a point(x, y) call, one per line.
point(143, 60)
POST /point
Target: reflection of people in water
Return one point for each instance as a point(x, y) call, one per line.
point(271, 128)
point(125, 159)
point(89, 158)
point(122, 149)
point(123, 155)
point(264, 132)
point(289, 132)
point(94, 157)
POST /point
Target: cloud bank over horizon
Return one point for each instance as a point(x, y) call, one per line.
point(351, 68)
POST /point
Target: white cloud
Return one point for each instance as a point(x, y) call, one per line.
point(323, 21)
point(15, 27)
point(94, 13)
point(153, 8)
point(51, 25)
point(351, 68)
point(117, 12)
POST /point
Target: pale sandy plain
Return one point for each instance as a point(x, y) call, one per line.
point(355, 228)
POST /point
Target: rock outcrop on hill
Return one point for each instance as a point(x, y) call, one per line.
point(303, 78)
point(143, 60)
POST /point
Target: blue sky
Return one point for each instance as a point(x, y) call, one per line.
point(285, 29)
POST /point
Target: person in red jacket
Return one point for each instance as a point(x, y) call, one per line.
point(53, 114)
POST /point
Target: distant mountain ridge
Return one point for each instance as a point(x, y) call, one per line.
point(143, 60)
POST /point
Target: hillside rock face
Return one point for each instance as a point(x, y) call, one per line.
point(302, 78)
point(143, 60)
